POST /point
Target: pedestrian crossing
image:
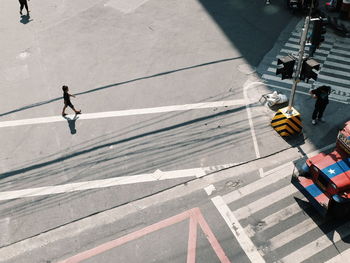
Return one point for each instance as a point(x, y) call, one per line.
point(334, 59)
point(283, 226)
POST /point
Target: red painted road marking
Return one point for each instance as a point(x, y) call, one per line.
point(211, 237)
point(195, 217)
point(192, 240)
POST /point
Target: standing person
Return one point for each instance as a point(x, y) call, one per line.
point(23, 3)
point(67, 102)
point(321, 96)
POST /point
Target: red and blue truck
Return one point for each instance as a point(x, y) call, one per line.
point(324, 179)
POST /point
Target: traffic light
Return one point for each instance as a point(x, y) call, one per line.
point(318, 32)
point(288, 67)
point(307, 70)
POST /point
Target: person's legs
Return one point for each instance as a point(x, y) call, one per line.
point(21, 6)
point(321, 110)
point(72, 107)
point(63, 111)
point(315, 113)
point(26, 6)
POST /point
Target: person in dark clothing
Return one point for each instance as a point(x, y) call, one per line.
point(23, 3)
point(67, 102)
point(321, 96)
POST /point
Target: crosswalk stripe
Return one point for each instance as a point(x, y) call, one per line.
point(340, 258)
point(293, 233)
point(334, 71)
point(338, 80)
point(264, 202)
point(318, 245)
point(341, 52)
point(257, 185)
point(237, 230)
point(288, 81)
point(335, 64)
point(281, 215)
point(341, 58)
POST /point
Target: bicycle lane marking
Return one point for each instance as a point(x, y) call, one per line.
point(194, 215)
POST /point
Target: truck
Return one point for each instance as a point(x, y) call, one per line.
point(324, 179)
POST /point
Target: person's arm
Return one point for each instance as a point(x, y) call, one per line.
point(312, 93)
point(71, 95)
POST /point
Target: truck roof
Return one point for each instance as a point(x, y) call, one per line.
point(336, 167)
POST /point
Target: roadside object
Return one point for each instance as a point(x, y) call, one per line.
point(274, 98)
point(324, 179)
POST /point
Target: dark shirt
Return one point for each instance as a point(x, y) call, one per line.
point(66, 98)
point(322, 94)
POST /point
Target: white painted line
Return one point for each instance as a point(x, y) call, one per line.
point(340, 258)
point(293, 233)
point(237, 230)
point(285, 81)
point(337, 80)
point(259, 184)
point(335, 64)
point(109, 114)
point(278, 217)
point(341, 52)
point(337, 72)
point(116, 181)
point(210, 189)
point(250, 120)
point(319, 51)
point(339, 58)
point(318, 245)
point(95, 184)
point(265, 202)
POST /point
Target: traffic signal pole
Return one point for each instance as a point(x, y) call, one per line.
point(299, 64)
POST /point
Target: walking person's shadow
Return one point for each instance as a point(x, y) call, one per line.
point(25, 19)
point(71, 123)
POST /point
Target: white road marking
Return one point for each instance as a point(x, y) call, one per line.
point(237, 230)
point(210, 189)
point(259, 184)
point(339, 58)
point(125, 7)
point(275, 218)
point(265, 202)
point(109, 114)
point(340, 258)
point(250, 120)
point(338, 80)
point(116, 181)
point(335, 64)
point(318, 245)
point(294, 232)
point(337, 72)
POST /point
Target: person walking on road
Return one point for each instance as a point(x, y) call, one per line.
point(321, 96)
point(23, 3)
point(67, 102)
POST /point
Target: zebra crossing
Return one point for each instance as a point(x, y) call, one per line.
point(334, 59)
point(283, 226)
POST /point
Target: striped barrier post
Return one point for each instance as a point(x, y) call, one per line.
point(287, 123)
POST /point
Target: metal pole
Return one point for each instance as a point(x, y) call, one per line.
point(299, 65)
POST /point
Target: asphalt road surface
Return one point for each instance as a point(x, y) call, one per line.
point(171, 128)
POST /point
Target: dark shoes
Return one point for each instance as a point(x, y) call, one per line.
point(78, 112)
